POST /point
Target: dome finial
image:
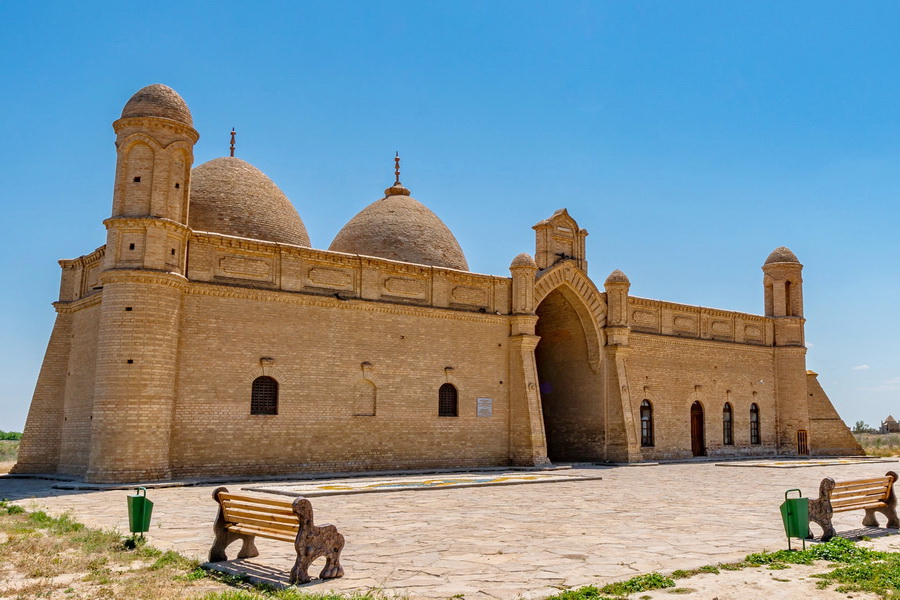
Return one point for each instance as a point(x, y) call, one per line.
point(232, 141)
point(397, 188)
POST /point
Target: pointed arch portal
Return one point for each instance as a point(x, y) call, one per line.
point(569, 383)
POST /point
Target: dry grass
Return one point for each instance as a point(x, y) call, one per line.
point(879, 444)
point(46, 557)
point(9, 450)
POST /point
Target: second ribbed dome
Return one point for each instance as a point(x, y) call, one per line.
point(233, 197)
point(398, 227)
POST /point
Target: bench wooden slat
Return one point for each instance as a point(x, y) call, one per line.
point(264, 524)
point(229, 506)
point(265, 533)
point(236, 515)
point(860, 506)
point(844, 485)
point(877, 495)
point(255, 500)
point(861, 490)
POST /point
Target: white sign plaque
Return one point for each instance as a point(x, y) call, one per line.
point(485, 407)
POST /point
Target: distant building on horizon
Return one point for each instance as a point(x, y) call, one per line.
point(890, 425)
point(208, 338)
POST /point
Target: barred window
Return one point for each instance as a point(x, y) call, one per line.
point(264, 397)
point(646, 423)
point(727, 426)
point(448, 405)
point(754, 423)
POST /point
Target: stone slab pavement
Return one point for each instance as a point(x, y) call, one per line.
point(522, 541)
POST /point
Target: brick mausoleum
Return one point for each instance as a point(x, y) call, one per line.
point(206, 337)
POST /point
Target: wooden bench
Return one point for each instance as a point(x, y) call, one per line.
point(872, 495)
point(243, 517)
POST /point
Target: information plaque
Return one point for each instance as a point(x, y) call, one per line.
point(485, 407)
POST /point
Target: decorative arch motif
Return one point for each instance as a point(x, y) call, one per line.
point(588, 302)
point(266, 368)
point(365, 383)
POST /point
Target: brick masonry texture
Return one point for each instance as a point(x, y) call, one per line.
point(161, 332)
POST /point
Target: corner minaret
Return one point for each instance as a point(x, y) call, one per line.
point(783, 285)
point(155, 150)
point(143, 281)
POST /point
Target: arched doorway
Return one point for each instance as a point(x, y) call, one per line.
point(698, 438)
point(570, 389)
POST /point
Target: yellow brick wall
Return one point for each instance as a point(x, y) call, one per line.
point(78, 398)
point(828, 434)
point(315, 348)
point(674, 373)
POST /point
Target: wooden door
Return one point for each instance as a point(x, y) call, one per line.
point(698, 443)
point(802, 443)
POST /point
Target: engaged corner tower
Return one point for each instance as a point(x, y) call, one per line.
point(783, 285)
point(142, 280)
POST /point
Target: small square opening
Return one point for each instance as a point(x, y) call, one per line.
point(127, 309)
point(130, 361)
point(137, 179)
point(131, 246)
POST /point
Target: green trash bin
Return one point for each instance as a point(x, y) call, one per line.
point(795, 516)
point(139, 511)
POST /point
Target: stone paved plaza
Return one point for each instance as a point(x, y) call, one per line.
point(506, 541)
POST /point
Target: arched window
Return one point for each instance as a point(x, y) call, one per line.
point(646, 423)
point(264, 397)
point(727, 426)
point(448, 405)
point(754, 423)
point(787, 299)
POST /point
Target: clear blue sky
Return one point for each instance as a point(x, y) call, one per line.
point(689, 138)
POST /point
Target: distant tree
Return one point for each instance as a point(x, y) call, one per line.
point(10, 435)
point(861, 427)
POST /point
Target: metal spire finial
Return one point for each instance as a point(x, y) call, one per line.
point(397, 168)
point(232, 141)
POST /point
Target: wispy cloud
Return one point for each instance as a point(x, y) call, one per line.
point(888, 385)
point(861, 368)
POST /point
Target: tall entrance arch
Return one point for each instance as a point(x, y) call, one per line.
point(570, 385)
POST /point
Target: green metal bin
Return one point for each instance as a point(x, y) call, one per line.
point(795, 516)
point(139, 511)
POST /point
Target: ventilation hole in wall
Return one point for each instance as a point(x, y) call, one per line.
point(173, 251)
point(501, 383)
point(130, 361)
point(136, 180)
point(128, 309)
point(131, 246)
point(177, 186)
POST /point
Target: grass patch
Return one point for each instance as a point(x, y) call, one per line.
point(287, 594)
point(685, 574)
point(879, 444)
point(9, 453)
point(880, 577)
point(619, 589)
point(98, 563)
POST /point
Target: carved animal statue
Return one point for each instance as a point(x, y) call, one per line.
point(313, 542)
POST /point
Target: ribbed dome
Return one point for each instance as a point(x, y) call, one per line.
point(233, 197)
point(617, 276)
point(523, 260)
point(158, 100)
point(398, 227)
point(782, 254)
